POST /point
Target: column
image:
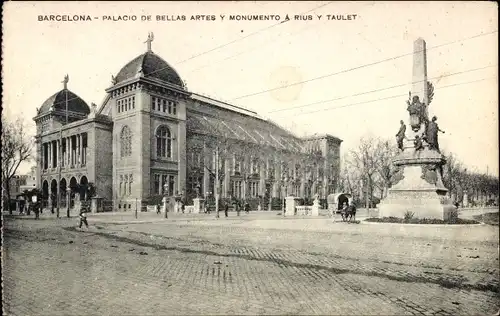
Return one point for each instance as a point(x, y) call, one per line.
point(77, 150)
point(71, 155)
point(80, 149)
point(68, 150)
point(227, 178)
point(58, 160)
point(44, 150)
point(54, 153)
point(49, 156)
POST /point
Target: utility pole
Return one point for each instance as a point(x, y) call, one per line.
point(217, 181)
point(59, 148)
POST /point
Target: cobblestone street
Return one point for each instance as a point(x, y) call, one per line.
point(255, 264)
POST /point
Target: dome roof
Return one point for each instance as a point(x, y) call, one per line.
point(58, 102)
point(153, 66)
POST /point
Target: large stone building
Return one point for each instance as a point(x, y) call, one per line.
point(150, 134)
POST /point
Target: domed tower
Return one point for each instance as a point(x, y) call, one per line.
point(148, 108)
point(59, 109)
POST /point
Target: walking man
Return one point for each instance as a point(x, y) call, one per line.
point(158, 208)
point(83, 217)
point(226, 209)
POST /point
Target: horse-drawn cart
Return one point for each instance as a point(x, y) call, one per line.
point(336, 205)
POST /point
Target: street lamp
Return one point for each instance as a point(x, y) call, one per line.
point(68, 200)
point(165, 193)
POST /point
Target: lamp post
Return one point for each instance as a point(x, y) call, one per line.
point(270, 192)
point(68, 200)
point(165, 193)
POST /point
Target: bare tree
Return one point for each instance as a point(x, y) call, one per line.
point(451, 174)
point(368, 158)
point(384, 153)
point(17, 147)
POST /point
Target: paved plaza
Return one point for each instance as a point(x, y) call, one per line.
point(258, 263)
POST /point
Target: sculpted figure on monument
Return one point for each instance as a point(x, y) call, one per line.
point(418, 143)
point(417, 113)
point(431, 134)
point(400, 136)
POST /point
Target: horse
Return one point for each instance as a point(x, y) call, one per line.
point(349, 213)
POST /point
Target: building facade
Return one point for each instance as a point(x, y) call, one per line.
point(151, 136)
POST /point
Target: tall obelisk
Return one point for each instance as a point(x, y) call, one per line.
point(419, 82)
point(418, 185)
point(419, 85)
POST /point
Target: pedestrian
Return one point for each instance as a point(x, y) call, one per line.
point(247, 208)
point(158, 208)
point(237, 206)
point(83, 217)
point(183, 207)
point(36, 209)
point(226, 209)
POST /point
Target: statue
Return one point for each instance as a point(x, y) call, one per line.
point(198, 190)
point(140, 72)
point(316, 198)
point(94, 107)
point(149, 40)
point(418, 143)
point(417, 113)
point(65, 81)
point(400, 136)
point(431, 134)
point(113, 80)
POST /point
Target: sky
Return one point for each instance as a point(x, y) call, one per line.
point(348, 78)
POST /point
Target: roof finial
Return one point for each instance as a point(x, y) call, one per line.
point(65, 81)
point(149, 40)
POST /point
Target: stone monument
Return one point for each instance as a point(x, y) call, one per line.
point(418, 187)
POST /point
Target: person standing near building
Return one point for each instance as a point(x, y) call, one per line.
point(237, 206)
point(247, 208)
point(35, 207)
point(226, 209)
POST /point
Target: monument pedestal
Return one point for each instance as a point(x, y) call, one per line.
point(198, 205)
point(291, 202)
point(418, 187)
point(315, 208)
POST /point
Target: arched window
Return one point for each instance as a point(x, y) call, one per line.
point(125, 142)
point(163, 142)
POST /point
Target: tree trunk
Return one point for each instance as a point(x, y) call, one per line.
point(7, 189)
point(367, 201)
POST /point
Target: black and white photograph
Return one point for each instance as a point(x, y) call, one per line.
point(250, 158)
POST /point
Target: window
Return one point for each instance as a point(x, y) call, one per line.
point(163, 105)
point(270, 169)
point(130, 180)
point(171, 185)
point(120, 188)
point(125, 142)
point(84, 148)
point(157, 184)
point(163, 142)
point(125, 104)
point(238, 164)
point(255, 166)
point(164, 179)
point(297, 171)
point(236, 189)
point(254, 189)
point(125, 182)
